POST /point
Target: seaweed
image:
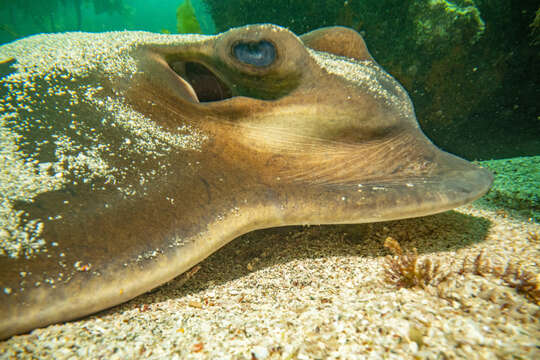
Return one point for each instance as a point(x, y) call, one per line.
point(187, 22)
point(404, 269)
point(512, 274)
point(535, 29)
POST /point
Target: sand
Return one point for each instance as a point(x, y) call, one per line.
point(320, 292)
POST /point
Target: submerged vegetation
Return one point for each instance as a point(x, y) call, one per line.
point(535, 29)
point(187, 22)
point(404, 269)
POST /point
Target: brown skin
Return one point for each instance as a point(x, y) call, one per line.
point(291, 146)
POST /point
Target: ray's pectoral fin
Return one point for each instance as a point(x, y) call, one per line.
point(339, 41)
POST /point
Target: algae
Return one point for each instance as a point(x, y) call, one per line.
point(535, 29)
point(441, 24)
point(187, 22)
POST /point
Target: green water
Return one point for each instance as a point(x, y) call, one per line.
point(23, 18)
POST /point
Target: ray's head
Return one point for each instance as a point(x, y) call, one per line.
point(314, 118)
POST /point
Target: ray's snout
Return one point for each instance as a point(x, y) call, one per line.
point(403, 180)
point(465, 180)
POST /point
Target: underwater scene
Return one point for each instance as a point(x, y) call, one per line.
point(236, 179)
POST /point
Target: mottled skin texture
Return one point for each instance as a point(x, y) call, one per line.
point(297, 143)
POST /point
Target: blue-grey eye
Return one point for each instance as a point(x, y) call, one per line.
point(262, 53)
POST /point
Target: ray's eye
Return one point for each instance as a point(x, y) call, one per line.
point(260, 54)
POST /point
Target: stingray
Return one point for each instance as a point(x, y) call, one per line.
point(129, 157)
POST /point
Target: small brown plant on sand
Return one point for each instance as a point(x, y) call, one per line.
point(524, 281)
point(405, 269)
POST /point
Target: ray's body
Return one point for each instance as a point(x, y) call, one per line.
point(130, 157)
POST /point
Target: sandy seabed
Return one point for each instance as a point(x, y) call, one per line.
point(320, 292)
